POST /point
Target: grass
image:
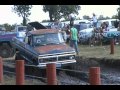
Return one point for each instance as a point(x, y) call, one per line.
point(99, 51)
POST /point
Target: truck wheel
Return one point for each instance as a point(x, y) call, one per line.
point(5, 51)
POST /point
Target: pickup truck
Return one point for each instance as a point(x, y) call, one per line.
point(42, 46)
point(6, 48)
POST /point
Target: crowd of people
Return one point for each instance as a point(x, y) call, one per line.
point(73, 32)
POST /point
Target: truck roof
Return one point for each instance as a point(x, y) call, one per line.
point(43, 31)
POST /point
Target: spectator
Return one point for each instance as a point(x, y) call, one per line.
point(116, 24)
point(104, 26)
point(67, 33)
point(71, 18)
point(57, 25)
point(74, 38)
point(94, 19)
point(118, 28)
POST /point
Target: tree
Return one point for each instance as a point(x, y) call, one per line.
point(65, 10)
point(118, 10)
point(107, 17)
point(59, 11)
point(24, 11)
point(53, 11)
point(45, 20)
point(86, 17)
point(7, 27)
point(114, 17)
point(101, 17)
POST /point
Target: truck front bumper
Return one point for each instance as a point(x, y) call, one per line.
point(58, 63)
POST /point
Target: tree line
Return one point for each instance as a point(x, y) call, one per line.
point(56, 12)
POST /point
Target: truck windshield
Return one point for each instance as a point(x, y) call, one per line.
point(22, 28)
point(47, 39)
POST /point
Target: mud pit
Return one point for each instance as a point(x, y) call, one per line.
point(110, 69)
point(110, 72)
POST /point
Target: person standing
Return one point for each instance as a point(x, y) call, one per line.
point(71, 18)
point(94, 19)
point(74, 38)
point(118, 29)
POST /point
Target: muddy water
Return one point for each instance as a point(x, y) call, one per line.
point(110, 72)
point(110, 69)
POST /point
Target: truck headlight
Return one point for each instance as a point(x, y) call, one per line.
point(41, 61)
point(71, 57)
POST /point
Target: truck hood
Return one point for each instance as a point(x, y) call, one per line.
point(37, 25)
point(51, 49)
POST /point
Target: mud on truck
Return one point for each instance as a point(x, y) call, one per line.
point(41, 46)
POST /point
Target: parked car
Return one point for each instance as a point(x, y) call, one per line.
point(77, 21)
point(81, 26)
point(81, 21)
point(47, 24)
point(85, 34)
point(111, 22)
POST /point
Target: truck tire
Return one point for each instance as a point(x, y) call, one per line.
point(5, 51)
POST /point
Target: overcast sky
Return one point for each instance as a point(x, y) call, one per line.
point(37, 14)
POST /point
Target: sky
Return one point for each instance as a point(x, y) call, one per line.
point(8, 16)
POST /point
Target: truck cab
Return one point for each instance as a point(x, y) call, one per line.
point(21, 31)
point(43, 46)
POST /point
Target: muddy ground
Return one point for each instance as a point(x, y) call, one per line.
point(110, 73)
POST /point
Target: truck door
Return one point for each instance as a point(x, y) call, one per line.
point(28, 51)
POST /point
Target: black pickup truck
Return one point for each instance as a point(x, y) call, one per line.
point(42, 46)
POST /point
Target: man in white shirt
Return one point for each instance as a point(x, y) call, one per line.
point(71, 18)
point(94, 18)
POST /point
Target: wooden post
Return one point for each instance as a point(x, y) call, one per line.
point(94, 76)
point(51, 74)
point(20, 72)
point(112, 46)
point(1, 70)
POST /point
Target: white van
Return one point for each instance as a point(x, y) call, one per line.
point(78, 21)
point(110, 22)
point(81, 21)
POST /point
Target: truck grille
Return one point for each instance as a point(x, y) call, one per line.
point(55, 59)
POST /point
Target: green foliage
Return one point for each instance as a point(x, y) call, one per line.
point(107, 17)
point(101, 17)
point(65, 10)
point(114, 17)
point(7, 27)
point(86, 17)
point(23, 11)
point(56, 12)
point(45, 20)
point(53, 11)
